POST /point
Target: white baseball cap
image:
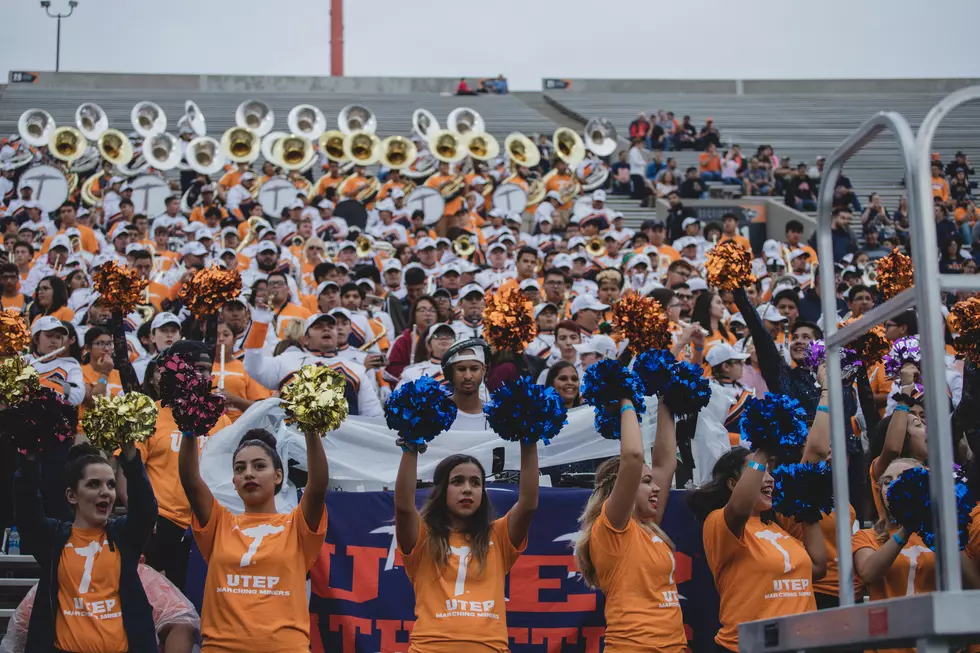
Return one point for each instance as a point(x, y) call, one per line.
point(636, 260)
point(325, 204)
point(770, 313)
point(599, 196)
point(587, 303)
point(576, 241)
point(266, 246)
point(722, 352)
point(540, 308)
point(162, 319)
point(689, 221)
point(530, 283)
point(193, 248)
point(47, 323)
point(391, 264)
point(685, 241)
point(60, 241)
point(397, 193)
point(340, 310)
point(471, 288)
point(313, 319)
point(553, 195)
point(135, 247)
point(324, 285)
point(496, 245)
point(424, 243)
point(246, 176)
point(602, 345)
point(562, 261)
point(385, 205)
point(798, 252)
point(438, 326)
point(697, 284)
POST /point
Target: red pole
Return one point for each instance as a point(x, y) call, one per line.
point(337, 38)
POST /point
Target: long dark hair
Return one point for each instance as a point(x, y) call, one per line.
point(715, 494)
point(90, 336)
point(435, 515)
point(59, 298)
point(265, 441)
point(415, 307)
point(553, 373)
point(702, 314)
point(80, 456)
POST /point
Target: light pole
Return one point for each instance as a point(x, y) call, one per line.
point(46, 5)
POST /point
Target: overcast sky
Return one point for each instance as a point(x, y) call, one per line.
point(523, 39)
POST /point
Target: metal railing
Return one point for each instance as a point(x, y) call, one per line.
point(929, 621)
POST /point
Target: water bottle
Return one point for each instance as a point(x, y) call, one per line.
point(13, 543)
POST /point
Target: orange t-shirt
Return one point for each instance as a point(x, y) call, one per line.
point(238, 383)
point(16, 303)
point(708, 162)
point(940, 188)
point(557, 183)
point(459, 608)
point(829, 584)
point(64, 314)
point(89, 618)
point(912, 572)
point(231, 178)
point(437, 181)
point(291, 312)
point(635, 569)
point(197, 213)
point(265, 609)
point(764, 574)
point(159, 453)
point(739, 240)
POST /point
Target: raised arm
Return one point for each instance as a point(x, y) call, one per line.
point(315, 492)
point(141, 504)
point(871, 565)
point(189, 468)
point(519, 516)
point(619, 505)
point(664, 456)
point(897, 427)
point(406, 514)
point(741, 504)
point(817, 446)
point(772, 365)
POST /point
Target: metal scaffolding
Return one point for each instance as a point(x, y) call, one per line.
point(931, 622)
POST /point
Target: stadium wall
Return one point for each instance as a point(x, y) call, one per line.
point(239, 83)
point(757, 86)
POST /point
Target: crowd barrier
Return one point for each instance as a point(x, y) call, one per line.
point(362, 601)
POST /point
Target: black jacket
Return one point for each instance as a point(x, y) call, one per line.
point(47, 537)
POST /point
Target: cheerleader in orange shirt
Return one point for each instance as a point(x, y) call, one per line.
point(255, 591)
point(621, 549)
point(760, 570)
point(457, 555)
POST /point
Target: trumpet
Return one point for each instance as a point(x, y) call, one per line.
point(595, 247)
point(464, 247)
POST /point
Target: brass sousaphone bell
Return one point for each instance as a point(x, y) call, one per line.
point(148, 119)
point(67, 144)
point(600, 137)
point(204, 155)
point(255, 115)
point(241, 144)
point(397, 152)
point(481, 146)
point(35, 126)
point(91, 120)
point(522, 150)
point(291, 152)
point(363, 148)
point(115, 147)
point(332, 145)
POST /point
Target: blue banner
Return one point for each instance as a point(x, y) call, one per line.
point(362, 601)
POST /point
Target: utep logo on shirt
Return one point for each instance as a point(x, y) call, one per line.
point(252, 584)
point(784, 587)
point(104, 609)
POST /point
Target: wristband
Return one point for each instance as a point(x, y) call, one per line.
point(899, 541)
point(189, 434)
point(823, 409)
point(698, 348)
point(626, 408)
point(757, 466)
point(902, 408)
point(104, 381)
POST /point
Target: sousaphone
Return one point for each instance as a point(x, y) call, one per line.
point(267, 142)
point(600, 137)
point(306, 121)
point(193, 119)
point(446, 146)
point(292, 152)
point(256, 116)
point(162, 151)
point(67, 144)
point(148, 119)
point(569, 147)
point(522, 150)
point(115, 147)
point(363, 148)
point(356, 118)
point(481, 146)
point(398, 152)
point(424, 124)
point(464, 120)
point(241, 144)
point(36, 126)
point(204, 155)
point(91, 120)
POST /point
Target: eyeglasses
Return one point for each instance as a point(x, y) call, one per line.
point(687, 297)
point(425, 310)
point(890, 325)
point(276, 284)
point(102, 345)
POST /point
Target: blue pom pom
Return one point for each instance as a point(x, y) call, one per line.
point(774, 424)
point(803, 490)
point(910, 505)
point(419, 411)
point(605, 384)
point(655, 368)
point(688, 391)
point(523, 411)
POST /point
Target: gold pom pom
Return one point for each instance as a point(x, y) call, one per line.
point(895, 274)
point(209, 290)
point(642, 321)
point(16, 379)
point(729, 266)
point(121, 288)
point(508, 321)
point(15, 338)
point(872, 346)
point(314, 399)
point(113, 421)
point(964, 323)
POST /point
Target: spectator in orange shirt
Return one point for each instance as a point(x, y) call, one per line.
point(940, 187)
point(729, 229)
point(709, 164)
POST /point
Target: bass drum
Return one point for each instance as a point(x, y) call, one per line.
point(49, 183)
point(510, 197)
point(276, 194)
point(429, 201)
point(150, 195)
